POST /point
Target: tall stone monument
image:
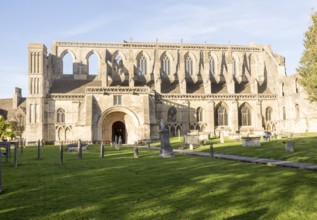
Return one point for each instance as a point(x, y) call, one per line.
point(166, 150)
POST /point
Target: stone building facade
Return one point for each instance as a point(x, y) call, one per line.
point(209, 88)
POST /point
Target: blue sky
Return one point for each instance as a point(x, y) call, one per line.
point(279, 23)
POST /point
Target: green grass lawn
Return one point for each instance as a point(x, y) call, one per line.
point(305, 148)
point(122, 187)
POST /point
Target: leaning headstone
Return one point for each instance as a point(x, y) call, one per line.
point(61, 154)
point(222, 139)
point(149, 145)
point(136, 150)
point(119, 142)
point(79, 150)
point(289, 146)
point(38, 149)
point(166, 150)
point(15, 160)
point(102, 150)
point(211, 150)
point(21, 144)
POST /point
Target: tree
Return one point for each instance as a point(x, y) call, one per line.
point(6, 129)
point(308, 63)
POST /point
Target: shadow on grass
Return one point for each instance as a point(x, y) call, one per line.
point(122, 187)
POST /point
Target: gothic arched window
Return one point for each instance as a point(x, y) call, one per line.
point(221, 116)
point(60, 116)
point(142, 65)
point(199, 114)
point(117, 62)
point(165, 66)
point(188, 66)
point(245, 115)
point(171, 114)
point(296, 85)
point(268, 114)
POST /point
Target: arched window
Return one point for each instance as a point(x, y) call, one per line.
point(165, 66)
point(221, 116)
point(234, 66)
point(212, 66)
point(283, 89)
point(188, 66)
point(268, 114)
point(142, 65)
point(245, 115)
point(296, 85)
point(284, 113)
point(199, 114)
point(117, 62)
point(171, 114)
point(93, 64)
point(60, 116)
point(67, 64)
point(297, 111)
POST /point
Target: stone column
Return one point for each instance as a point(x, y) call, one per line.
point(258, 117)
point(210, 110)
point(233, 115)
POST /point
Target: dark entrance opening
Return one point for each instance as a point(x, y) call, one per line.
point(118, 129)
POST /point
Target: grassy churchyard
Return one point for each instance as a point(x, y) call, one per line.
point(184, 187)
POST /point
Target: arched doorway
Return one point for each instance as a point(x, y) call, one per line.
point(118, 130)
point(119, 119)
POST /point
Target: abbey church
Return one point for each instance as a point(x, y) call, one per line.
point(209, 88)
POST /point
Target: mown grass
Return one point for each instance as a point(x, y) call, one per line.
point(122, 187)
point(305, 148)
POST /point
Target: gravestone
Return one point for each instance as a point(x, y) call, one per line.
point(166, 150)
point(61, 155)
point(251, 141)
point(102, 150)
point(222, 138)
point(136, 150)
point(80, 150)
point(289, 146)
point(15, 160)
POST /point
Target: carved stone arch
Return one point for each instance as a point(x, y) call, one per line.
point(66, 51)
point(245, 104)
point(245, 114)
point(122, 55)
point(168, 54)
point(91, 52)
point(68, 133)
point(145, 54)
point(221, 114)
point(191, 55)
point(133, 129)
point(224, 104)
point(216, 70)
